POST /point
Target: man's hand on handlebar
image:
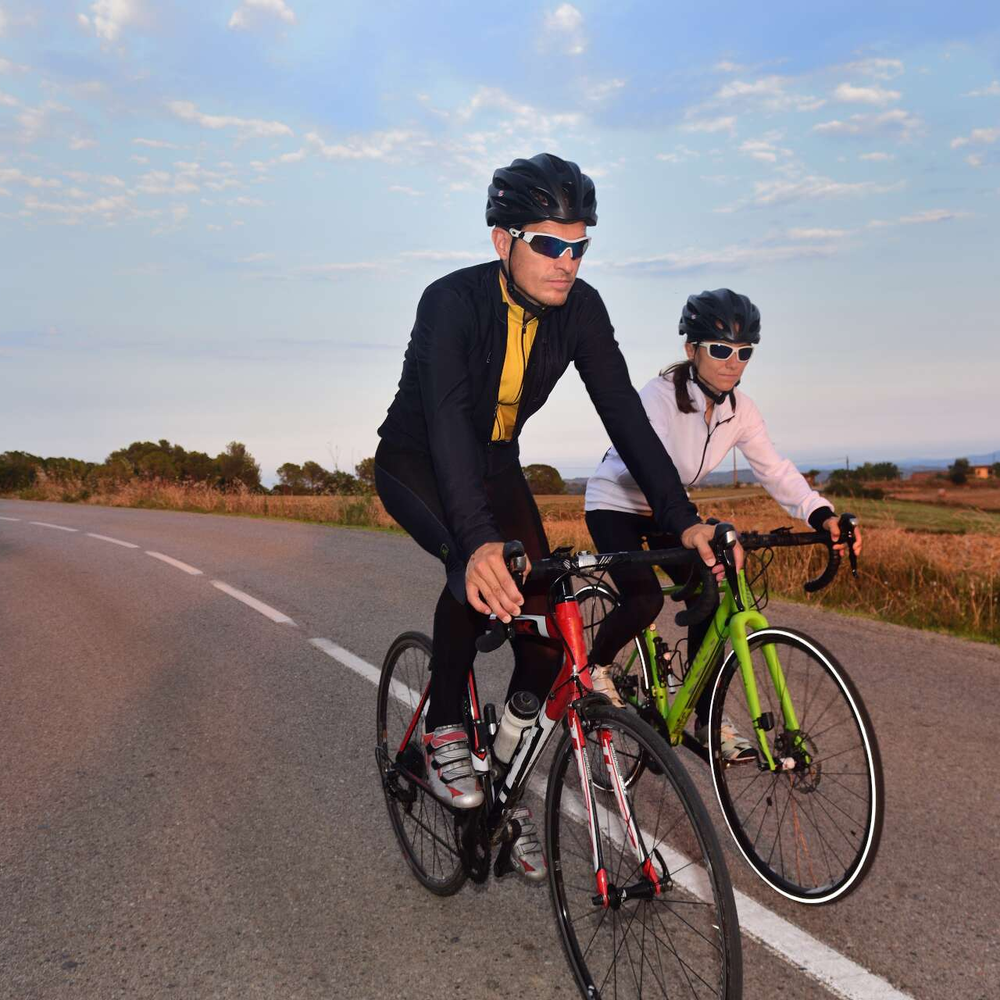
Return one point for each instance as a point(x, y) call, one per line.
point(699, 536)
point(489, 586)
point(832, 524)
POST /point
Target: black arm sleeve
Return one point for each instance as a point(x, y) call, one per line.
point(441, 343)
point(605, 374)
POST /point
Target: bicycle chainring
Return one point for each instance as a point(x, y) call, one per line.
point(474, 844)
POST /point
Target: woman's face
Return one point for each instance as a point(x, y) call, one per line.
point(720, 375)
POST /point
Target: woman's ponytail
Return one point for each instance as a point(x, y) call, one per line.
point(681, 375)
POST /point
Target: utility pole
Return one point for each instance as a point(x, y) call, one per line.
point(736, 479)
point(847, 460)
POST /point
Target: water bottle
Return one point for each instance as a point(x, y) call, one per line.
point(520, 714)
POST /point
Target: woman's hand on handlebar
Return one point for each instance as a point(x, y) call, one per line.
point(699, 536)
point(489, 586)
point(832, 524)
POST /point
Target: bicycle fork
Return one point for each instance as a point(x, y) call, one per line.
point(609, 895)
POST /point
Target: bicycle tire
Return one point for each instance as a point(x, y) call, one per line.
point(810, 832)
point(627, 671)
point(425, 828)
point(684, 942)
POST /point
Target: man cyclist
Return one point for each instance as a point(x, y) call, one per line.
point(488, 345)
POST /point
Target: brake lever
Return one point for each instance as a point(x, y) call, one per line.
point(848, 532)
point(723, 544)
point(517, 562)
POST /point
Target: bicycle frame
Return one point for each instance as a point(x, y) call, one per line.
point(728, 623)
point(572, 684)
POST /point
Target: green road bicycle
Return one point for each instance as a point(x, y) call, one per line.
point(807, 812)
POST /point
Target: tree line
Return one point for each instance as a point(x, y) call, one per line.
point(234, 467)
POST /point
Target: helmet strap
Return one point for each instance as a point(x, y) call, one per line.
point(714, 395)
point(528, 305)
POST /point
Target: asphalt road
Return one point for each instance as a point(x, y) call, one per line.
point(189, 805)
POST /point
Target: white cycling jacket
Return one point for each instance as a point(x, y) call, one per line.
point(697, 449)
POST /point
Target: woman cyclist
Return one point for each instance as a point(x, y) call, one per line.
point(698, 414)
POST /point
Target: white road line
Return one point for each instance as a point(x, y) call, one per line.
point(116, 541)
point(58, 527)
point(836, 972)
point(265, 609)
point(10, 519)
point(175, 562)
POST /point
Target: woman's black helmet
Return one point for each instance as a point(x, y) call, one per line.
point(544, 187)
point(720, 315)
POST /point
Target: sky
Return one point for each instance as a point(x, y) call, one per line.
point(216, 218)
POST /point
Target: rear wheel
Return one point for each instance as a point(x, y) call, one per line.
point(810, 828)
point(683, 942)
point(426, 829)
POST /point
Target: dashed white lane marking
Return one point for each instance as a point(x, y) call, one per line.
point(116, 541)
point(836, 972)
point(10, 519)
point(175, 563)
point(58, 527)
point(265, 609)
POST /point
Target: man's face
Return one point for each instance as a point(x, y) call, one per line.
point(545, 280)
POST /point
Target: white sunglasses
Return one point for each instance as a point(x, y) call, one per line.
point(551, 246)
point(723, 352)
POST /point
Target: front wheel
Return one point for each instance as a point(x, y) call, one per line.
point(810, 827)
point(683, 941)
point(425, 829)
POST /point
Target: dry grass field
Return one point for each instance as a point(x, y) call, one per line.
point(925, 565)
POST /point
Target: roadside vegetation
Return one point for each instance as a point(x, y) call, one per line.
point(931, 557)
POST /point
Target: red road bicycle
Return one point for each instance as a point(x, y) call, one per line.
point(639, 886)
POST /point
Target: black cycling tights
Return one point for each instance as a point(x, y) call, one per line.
point(406, 485)
point(642, 596)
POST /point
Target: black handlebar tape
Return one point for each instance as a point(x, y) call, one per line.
point(689, 587)
point(707, 600)
point(494, 639)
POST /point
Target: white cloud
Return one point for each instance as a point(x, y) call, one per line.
point(865, 95)
point(735, 256)
point(681, 154)
point(896, 122)
point(7, 101)
point(139, 159)
point(725, 66)
point(599, 92)
point(928, 216)
point(245, 202)
point(780, 191)
point(107, 209)
point(881, 69)
point(993, 90)
point(933, 215)
point(768, 93)
point(764, 149)
point(402, 189)
point(35, 121)
point(108, 17)
point(977, 137)
point(3, 21)
point(975, 159)
point(817, 234)
point(373, 146)
point(248, 128)
point(153, 143)
point(444, 255)
point(250, 10)
point(12, 175)
point(564, 30)
point(8, 67)
point(79, 142)
point(724, 124)
point(877, 157)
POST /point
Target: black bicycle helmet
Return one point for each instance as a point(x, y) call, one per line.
point(720, 315)
point(544, 187)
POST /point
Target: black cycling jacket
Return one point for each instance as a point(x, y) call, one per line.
point(447, 396)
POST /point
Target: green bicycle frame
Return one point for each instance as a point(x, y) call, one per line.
point(728, 624)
